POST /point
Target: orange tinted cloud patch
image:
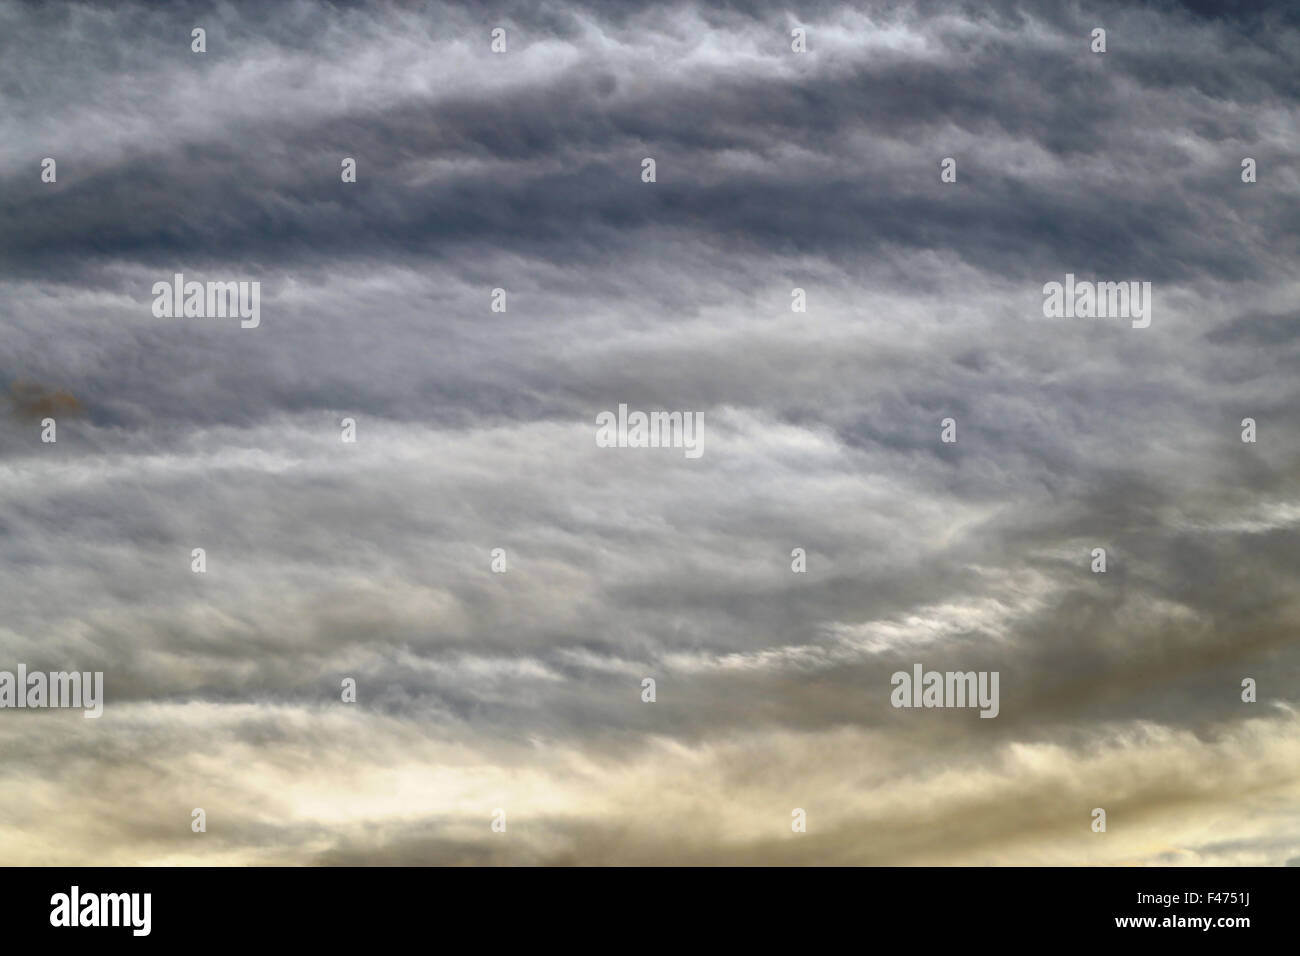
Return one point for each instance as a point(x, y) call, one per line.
point(32, 402)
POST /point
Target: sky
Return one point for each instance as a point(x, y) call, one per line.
point(484, 695)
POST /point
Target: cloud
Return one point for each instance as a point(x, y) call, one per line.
point(475, 430)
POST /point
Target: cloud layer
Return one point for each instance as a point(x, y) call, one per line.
point(475, 431)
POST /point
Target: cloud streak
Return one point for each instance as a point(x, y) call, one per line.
point(475, 430)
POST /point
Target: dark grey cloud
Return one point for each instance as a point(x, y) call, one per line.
point(475, 431)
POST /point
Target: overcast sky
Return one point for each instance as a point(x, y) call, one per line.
point(476, 429)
